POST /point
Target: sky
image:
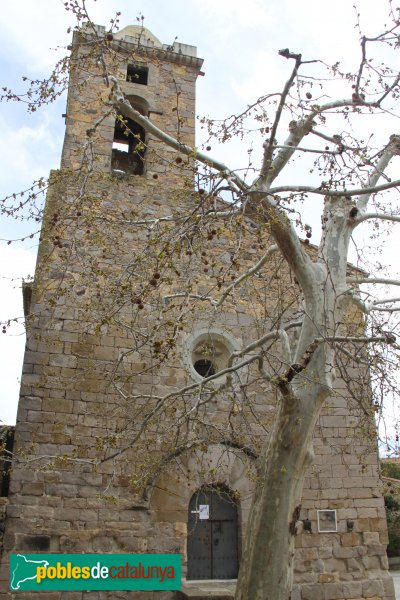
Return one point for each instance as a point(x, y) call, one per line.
point(239, 43)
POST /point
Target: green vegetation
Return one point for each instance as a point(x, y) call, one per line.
point(390, 469)
point(392, 505)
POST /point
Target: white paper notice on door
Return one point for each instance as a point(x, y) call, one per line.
point(204, 511)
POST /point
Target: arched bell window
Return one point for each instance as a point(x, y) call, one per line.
point(129, 143)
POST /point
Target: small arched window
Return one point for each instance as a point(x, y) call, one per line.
point(129, 143)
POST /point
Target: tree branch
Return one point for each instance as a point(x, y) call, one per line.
point(387, 339)
point(269, 145)
point(392, 149)
point(322, 191)
point(386, 301)
point(248, 273)
point(312, 150)
point(389, 90)
point(162, 400)
point(382, 216)
point(265, 338)
point(336, 139)
point(383, 309)
point(193, 296)
point(124, 107)
point(298, 129)
point(367, 306)
point(285, 342)
point(363, 61)
point(382, 280)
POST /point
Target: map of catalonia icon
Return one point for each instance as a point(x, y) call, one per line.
point(24, 569)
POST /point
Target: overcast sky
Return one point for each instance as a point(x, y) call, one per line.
point(239, 42)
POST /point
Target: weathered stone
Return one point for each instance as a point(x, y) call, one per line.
point(311, 592)
point(91, 344)
point(333, 591)
point(326, 578)
point(352, 589)
point(372, 588)
point(371, 537)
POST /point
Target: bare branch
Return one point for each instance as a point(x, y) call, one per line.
point(124, 107)
point(383, 216)
point(322, 191)
point(389, 90)
point(386, 301)
point(367, 306)
point(162, 400)
point(387, 339)
point(298, 129)
point(283, 232)
point(336, 139)
point(363, 60)
point(383, 309)
point(392, 149)
point(265, 338)
point(312, 150)
point(358, 280)
point(247, 274)
point(269, 144)
point(193, 296)
point(286, 350)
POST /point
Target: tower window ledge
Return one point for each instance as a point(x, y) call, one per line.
point(118, 173)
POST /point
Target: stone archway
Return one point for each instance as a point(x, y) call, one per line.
point(214, 466)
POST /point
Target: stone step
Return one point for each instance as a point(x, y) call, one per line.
point(204, 595)
point(205, 590)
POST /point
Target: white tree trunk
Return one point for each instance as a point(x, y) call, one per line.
point(267, 561)
point(266, 569)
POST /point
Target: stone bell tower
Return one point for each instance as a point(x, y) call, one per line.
point(112, 173)
point(158, 79)
point(119, 447)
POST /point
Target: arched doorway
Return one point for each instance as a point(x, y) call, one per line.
point(212, 543)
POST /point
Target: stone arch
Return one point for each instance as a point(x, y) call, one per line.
point(212, 465)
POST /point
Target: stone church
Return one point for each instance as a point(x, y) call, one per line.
point(119, 446)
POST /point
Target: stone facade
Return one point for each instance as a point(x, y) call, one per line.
point(120, 314)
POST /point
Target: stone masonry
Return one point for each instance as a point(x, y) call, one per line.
point(120, 317)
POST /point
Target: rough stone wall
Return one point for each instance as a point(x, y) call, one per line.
point(108, 336)
point(3, 509)
point(352, 562)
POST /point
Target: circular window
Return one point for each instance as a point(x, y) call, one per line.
point(208, 352)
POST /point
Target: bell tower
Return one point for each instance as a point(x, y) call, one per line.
point(159, 81)
point(104, 205)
